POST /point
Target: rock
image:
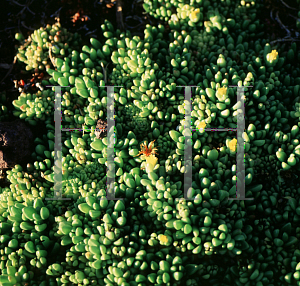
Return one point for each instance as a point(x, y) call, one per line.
point(16, 140)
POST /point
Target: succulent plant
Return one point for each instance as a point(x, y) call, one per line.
point(154, 235)
point(44, 45)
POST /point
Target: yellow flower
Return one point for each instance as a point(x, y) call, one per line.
point(163, 239)
point(232, 145)
point(222, 90)
point(272, 56)
point(221, 93)
point(151, 159)
point(150, 163)
point(195, 15)
point(201, 125)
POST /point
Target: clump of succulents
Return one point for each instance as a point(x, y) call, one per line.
point(154, 235)
point(33, 107)
point(41, 48)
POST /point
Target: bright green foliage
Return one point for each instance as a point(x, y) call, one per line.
point(154, 236)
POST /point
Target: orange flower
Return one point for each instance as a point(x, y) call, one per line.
point(147, 151)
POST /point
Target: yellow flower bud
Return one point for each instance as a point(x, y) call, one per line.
point(150, 163)
point(221, 93)
point(195, 15)
point(163, 239)
point(272, 56)
point(201, 125)
point(232, 145)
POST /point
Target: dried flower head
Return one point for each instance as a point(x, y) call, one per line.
point(147, 151)
point(101, 129)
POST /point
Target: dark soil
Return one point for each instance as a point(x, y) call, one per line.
point(16, 142)
point(280, 20)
